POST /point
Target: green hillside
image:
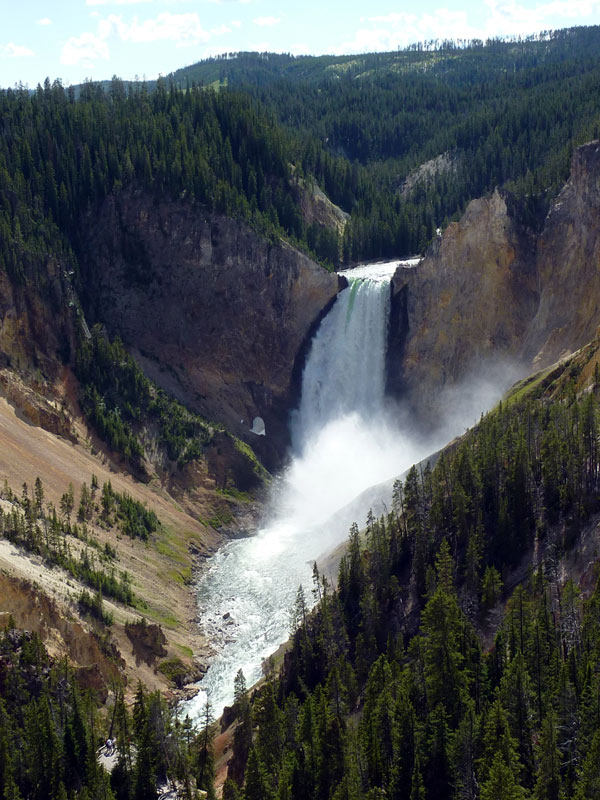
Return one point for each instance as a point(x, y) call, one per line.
point(453, 660)
point(507, 113)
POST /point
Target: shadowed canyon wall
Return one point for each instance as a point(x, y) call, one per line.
point(215, 314)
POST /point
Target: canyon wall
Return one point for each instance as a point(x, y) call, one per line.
point(37, 319)
point(492, 294)
point(216, 314)
point(568, 266)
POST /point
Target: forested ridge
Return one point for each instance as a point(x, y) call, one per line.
point(60, 156)
point(507, 113)
point(453, 660)
point(502, 113)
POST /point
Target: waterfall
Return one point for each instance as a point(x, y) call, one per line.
point(343, 444)
point(345, 368)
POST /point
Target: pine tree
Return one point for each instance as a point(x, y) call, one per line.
point(257, 786)
point(548, 785)
point(205, 769)
point(442, 628)
point(417, 787)
point(588, 786)
point(501, 783)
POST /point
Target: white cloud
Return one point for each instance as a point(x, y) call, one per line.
point(44, 21)
point(399, 29)
point(299, 49)
point(503, 18)
point(267, 22)
point(236, 24)
point(88, 48)
point(85, 50)
point(512, 18)
point(181, 28)
point(220, 30)
point(115, 2)
point(12, 50)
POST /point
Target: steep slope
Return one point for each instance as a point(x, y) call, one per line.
point(216, 314)
point(567, 260)
point(492, 295)
point(160, 569)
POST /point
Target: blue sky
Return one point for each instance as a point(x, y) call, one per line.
point(77, 39)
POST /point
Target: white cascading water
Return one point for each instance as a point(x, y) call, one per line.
point(344, 442)
point(345, 370)
point(342, 445)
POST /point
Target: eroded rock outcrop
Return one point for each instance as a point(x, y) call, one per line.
point(492, 291)
point(62, 635)
point(568, 265)
point(37, 319)
point(318, 209)
point(471, 298)
point(216, 314)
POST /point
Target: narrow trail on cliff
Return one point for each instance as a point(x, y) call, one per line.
point(346, 438)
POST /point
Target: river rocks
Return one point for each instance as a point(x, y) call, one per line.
point(491, 291)
point(215, 314)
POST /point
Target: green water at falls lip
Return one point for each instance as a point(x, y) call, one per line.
point(380, 271)
point(354, 284)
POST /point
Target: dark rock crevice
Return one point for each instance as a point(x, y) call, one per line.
point(302, 355)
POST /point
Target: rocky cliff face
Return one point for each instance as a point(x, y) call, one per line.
point(37, 321)
point(568, 266)
point(491, 291)
point(216, 314)
point(469, 300)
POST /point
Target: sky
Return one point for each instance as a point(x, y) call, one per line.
point(77, 39)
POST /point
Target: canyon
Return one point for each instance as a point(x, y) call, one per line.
point(222, 319)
